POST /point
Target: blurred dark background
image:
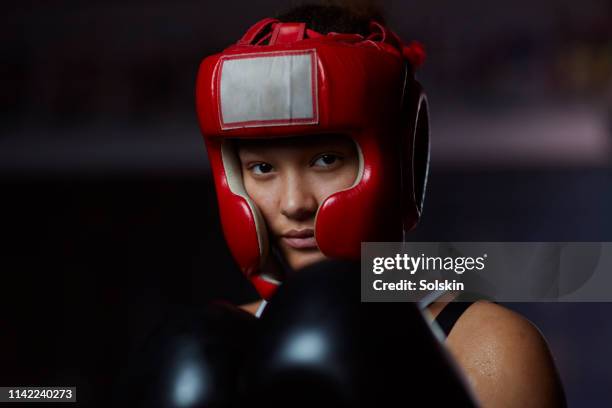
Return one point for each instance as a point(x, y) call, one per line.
point(107, 210)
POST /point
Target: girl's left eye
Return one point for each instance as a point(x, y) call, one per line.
point(326, 160)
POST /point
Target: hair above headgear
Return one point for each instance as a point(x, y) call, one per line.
point(349, 17)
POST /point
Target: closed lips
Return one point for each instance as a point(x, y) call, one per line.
point(300, 239)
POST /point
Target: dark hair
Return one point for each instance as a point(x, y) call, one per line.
point(325, 18)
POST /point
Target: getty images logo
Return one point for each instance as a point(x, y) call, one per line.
point(413, 264)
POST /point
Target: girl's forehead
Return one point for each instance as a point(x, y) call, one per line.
point(324, 141)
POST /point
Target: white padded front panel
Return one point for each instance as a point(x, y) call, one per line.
point(268, 89)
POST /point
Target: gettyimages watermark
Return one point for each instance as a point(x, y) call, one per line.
point(500, 271)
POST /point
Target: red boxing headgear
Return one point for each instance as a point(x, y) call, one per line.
point(282, 79)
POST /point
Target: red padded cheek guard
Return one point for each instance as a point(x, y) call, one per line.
point(368, 211)
point(357, 91)
point(237, 216)
point(243, 228)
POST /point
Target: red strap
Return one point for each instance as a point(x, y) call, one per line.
point(287, 33)
point(255, 30)
point(415, 53)
point(313, 34)
point(378, 32)
point(349, 38)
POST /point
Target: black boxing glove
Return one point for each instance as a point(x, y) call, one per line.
point(191, 361)
point(320, 346)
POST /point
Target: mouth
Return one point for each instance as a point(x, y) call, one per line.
point(300, 239)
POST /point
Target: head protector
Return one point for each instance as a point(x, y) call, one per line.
point(283, 79)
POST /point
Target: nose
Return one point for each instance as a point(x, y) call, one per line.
point(298, 202)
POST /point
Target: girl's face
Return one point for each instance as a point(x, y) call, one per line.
point(288, 179)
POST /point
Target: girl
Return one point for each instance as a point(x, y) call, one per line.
point(283, 181)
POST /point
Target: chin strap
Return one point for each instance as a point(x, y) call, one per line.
point(261, 308)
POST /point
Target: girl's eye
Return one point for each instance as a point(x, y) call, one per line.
point(261, 168)
point(326, 160)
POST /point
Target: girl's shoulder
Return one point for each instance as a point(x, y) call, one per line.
point(505, 357)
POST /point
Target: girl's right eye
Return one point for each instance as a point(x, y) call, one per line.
point(261, 168)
